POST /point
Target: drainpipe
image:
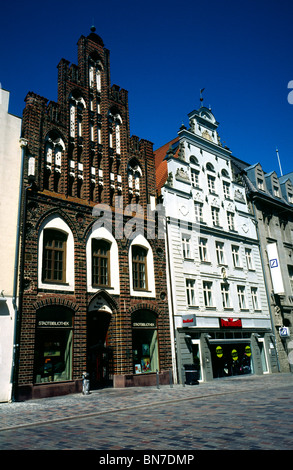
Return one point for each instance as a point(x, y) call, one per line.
point(172, 326)
point(23, 144)
point(266, 287)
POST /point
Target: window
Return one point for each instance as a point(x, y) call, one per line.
point(211, 183)
point(144, 342)
point(231, 221)
point(139, 267)
point(186, 246)
point(276, 191)
point(53, 346)
point(220, 252)
point(190, 292)
point(100, 263)
point(254, 296)
point(54, 256)
point(290, 198)
point(215, 216)
point(198, 212)
point(260, 184)
point(207, 293)
point(226, 189)
point(203, 249)
point(248, 258)
point(235, 256)
point(225, 295)
point(241, 297)
point(194, 177)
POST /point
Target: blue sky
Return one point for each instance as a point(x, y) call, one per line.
point(163, 53)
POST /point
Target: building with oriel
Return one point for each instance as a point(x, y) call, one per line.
point(10, 161)
point(94, 297)
point(220, 317)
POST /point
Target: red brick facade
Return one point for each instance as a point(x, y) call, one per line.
point(89, 169)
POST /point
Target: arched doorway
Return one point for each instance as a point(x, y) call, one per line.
point(99, 354)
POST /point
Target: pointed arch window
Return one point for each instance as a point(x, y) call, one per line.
point(54, 256)
point(139, 267)
point(101, 263)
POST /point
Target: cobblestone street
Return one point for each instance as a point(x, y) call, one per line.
point(240, 413)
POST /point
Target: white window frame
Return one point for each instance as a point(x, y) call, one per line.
point(57, 223)
point(101, 233)
point(198, 211)
point(226, 189)
point(186, 246)
point(208, 293)
point(203, 249)
point(211, 183)
point(231, 221)
point(255, 298)
point(235, 249)
point(190, 292)
point(215, 216)
point(241, 297)
point(225, 291)
point(248, 257)
point(140, 240)
point(220, 252)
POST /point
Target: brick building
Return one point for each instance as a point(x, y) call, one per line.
point(93, 295)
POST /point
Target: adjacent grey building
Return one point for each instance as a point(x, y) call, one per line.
point(271, 201)
point(220, 316)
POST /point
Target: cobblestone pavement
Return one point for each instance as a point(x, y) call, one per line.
point(239, 413)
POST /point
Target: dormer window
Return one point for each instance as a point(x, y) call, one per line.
point(276, 190)
point(260, 184)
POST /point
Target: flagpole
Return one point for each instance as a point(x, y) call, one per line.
point(279, 162)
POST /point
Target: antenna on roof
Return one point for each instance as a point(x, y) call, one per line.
point(279, 162)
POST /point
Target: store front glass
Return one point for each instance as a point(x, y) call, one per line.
point(53, 352)
point(230, 359)
point(144, 342)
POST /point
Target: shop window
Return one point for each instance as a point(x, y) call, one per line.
point(53, 350)
point(100, 263)
point(139, 268)
point(144, 342)
point(231, 359)
point(54, 256)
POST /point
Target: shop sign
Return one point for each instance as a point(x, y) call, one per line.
point(144, 324)
point(275, 268)
point(231, 322)
point(188, 320)
point(54, 324)
point(219, 351)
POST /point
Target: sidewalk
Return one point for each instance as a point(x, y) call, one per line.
point(109, 400)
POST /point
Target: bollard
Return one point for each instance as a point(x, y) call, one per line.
point(85, 383)
point(157, 373)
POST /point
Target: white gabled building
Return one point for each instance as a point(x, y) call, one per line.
point(218, 300)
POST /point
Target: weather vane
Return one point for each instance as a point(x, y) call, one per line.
point(201, 98)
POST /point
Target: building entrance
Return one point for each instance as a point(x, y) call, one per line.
point(99, 357)
point(230, 359)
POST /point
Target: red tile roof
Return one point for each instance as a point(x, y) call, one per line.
point(161, 164)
